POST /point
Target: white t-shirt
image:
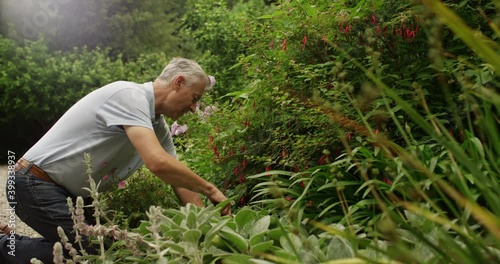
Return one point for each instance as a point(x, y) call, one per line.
point(94, 125)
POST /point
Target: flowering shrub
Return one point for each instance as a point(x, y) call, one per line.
point(388, 100)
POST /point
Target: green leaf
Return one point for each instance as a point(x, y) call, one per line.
point(143, 228)
point(211, 234)
point(236, 240)
point(339, 248)
point(286, 256)
point(244, 219)
point(310, 10)
point(257, 238)
point(260, 225)
point(192, 236)
point(237, 259)
point(262, 247)
point(174, 247)
point(191, 220)
point(292, 243)
point(173, 233)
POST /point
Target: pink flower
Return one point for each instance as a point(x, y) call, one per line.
point(104, 177)
point(121, 185)
point(209, 110)
point(177, 129)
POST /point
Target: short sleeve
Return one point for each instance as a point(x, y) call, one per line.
point(165, 137)
point(126, 107)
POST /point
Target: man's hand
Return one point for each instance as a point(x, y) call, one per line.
point(216, 197)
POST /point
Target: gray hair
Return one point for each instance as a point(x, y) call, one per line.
point(190, 69)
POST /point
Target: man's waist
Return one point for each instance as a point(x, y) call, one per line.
point(33, 169)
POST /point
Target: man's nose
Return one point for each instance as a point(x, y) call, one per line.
point(192, 108)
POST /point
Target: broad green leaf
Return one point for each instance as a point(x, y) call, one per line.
point(236, 240)
point(174, 247)
point(210, 234)
point(237, 259)
point(257, 238)
point(191, 220)
point(192, 236)
point(286, 256)
point(339, 248)
point(260, 225)
point(143, 228)
point(244, 219)
point(292, 243)
point(262, 247)
point(173, 233)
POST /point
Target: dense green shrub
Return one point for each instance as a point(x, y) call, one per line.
point(302, 75)
point(218, 30)
point(127, 28)
point(402, 107)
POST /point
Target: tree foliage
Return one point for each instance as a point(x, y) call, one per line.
point(126, 27)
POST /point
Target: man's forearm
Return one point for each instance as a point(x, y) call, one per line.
point(186, 196)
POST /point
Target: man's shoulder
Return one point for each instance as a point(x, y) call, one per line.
point(119, 85)
point(118, 89)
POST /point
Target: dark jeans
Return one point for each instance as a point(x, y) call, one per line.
point(41, 205)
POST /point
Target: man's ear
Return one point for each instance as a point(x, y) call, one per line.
point(178, 82)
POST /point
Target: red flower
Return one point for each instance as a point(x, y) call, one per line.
point(242, 200)
point(226, 183)
point(304, 41)
point(384, 179)
point(242, 178)
point(347, 30)
point(373, 19)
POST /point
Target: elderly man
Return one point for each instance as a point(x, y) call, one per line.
point(121, 125)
